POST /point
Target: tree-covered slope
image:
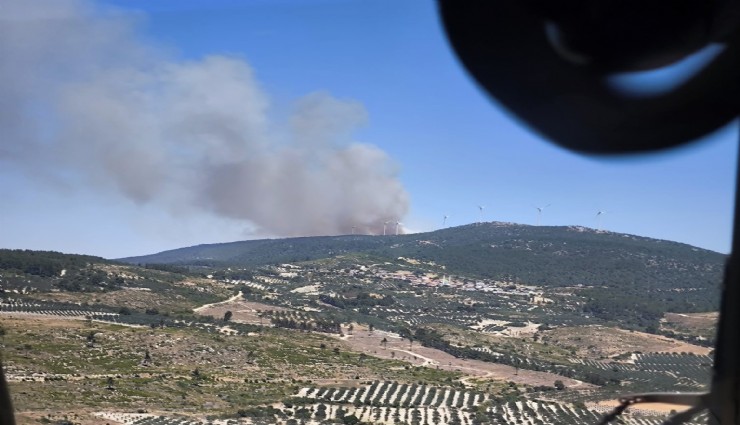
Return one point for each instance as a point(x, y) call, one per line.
point(542, 255)
point(44, 271)
point(43, 263)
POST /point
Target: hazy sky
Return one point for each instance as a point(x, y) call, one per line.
point(134, 126)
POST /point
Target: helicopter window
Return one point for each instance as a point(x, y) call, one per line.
point(646, 83)
point(299, 212)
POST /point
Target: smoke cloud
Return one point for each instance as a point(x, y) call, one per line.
point(84, 100)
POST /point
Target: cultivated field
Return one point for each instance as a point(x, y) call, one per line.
point(605, 342)
point(396, 347)
point(702, 325)
point(340, 340)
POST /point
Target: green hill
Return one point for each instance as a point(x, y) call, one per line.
point(49, 271)
point(541, 255)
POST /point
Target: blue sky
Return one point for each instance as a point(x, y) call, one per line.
point(454, 148)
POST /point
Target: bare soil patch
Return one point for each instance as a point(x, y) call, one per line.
point(242, 311)
point(603, 342)
point(646, 408)
point(518, 331)
point(37, 417)
point(22, 322)
point(399, 349)
point(139, 300)
point(701, 324)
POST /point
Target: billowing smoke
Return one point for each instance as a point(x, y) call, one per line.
point(83, 99)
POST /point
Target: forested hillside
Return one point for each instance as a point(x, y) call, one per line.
point(540, 255)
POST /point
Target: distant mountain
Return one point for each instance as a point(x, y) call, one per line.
point(44, 263)
point(26, 270)
point(541, 255)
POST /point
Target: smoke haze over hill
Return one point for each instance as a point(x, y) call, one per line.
point(85, 102)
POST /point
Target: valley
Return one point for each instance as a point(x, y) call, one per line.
point(361, 335)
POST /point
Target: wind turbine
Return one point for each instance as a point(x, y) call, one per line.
point(444, 220)
point(385, 223)
point(480, 209)
point(539, 212)
point(599, 214)
point(353, 229)
point(398, 223)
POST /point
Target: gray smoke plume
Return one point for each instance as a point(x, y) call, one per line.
point(81, 91)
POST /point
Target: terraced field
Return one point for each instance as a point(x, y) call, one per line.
point(322, 343)
point(687, 369)
point(526, 412)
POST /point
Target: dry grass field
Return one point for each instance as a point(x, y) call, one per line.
point(371, 343)
point(59, 366)
point(701, 324)
point(603, 342)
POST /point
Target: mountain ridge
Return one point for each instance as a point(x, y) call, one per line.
point(542, 255)
point(205, 246)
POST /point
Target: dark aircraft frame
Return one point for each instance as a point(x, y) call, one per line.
point(547, 62)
